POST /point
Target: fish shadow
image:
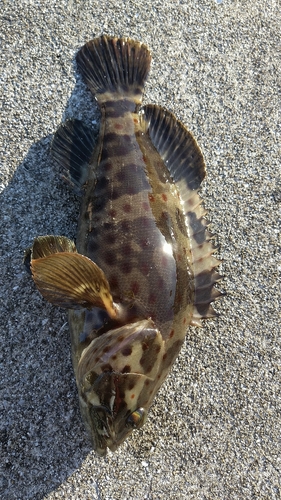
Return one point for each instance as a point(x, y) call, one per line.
point(43, 438)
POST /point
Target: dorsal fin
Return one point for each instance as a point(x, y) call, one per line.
point(185, 163)
point(72, 148)
point(114, 65)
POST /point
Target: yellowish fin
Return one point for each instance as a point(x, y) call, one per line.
point(68, 279)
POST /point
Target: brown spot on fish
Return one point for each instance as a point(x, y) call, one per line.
point(118, 126)
point(127, 249)
point(117, 109)
point(126, 267)
point(126, 369)
point(135, 287)
point(121, 175)
point(112, 213)
point(152, 298)
point(164, 261)
point(171, 334)
point(164, 197)
point(93, 245)
point(127, 208)
point(102, 184)
point(144, 268)
point(107, 166)
point(181, 221)
point(110, 258)
point(110, 238)
point(126, 351)
point(106, 367)
point(99, 204)
point(125, 226)
point(132, 396)
point(145, 206)
point(160, 282)
point(145, 346)
point(144, 243)
point(108, 226)
point(121, 149)
point(115, 193)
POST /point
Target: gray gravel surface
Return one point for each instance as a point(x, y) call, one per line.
point(214, 429)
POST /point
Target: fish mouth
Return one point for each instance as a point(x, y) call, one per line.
point(101, 440)
point(101, 444)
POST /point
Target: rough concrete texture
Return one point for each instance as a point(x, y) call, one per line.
point(214, 429)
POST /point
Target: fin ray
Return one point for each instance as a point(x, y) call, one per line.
point(185, 163)
point(114, 65)
point(72, 280)
point(72, 148)
point(175, 144)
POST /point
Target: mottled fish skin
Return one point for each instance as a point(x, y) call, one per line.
point(142, 224)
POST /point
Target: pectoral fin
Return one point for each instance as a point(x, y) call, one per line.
point(69, 279)
point(185, 163)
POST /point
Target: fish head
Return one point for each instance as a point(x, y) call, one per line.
point(110, 416)
point(117, 379)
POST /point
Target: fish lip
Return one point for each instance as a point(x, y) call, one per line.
point(101, 444)
point(104, 444)
point(113, 446)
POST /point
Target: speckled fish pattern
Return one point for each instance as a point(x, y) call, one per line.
point(142, 226)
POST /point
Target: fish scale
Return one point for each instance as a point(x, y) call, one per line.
point(143, 268)
point(127, 203)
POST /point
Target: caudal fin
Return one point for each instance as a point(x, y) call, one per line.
point(114, 65)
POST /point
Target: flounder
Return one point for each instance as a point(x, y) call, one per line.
point(143, 268)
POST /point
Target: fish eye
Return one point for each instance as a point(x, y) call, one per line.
point(137, 418)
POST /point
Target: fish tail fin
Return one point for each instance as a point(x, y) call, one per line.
point(112, 65)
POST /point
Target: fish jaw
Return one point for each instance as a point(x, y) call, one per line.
point(107, 428)
point(117, 377)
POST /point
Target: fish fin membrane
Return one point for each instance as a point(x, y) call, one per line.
point(185, 163)
point(72, 148)
point(47, 245)
point(175, 144)
point(69, 279)
point(114, 65)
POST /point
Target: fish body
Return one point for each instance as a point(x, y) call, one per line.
point(143, 268)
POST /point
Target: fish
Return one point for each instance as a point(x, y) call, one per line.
point(142, 269)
